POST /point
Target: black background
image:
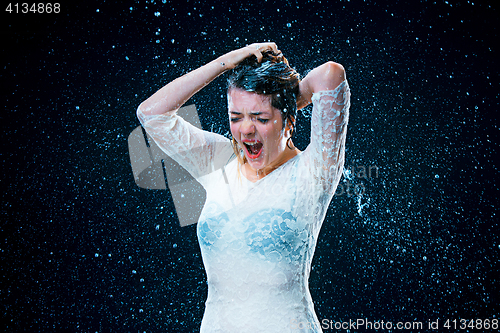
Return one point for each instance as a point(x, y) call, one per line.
point(84, 249)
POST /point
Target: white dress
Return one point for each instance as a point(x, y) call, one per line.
point(257, 239)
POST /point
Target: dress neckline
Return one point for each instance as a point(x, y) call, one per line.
point(260, 179)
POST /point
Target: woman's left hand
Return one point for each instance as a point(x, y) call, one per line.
point(233, 58)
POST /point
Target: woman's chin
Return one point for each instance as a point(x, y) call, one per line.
point(256, 163)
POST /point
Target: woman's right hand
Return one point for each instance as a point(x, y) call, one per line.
point(233, 58)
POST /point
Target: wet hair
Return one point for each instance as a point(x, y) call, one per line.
point(274, 77)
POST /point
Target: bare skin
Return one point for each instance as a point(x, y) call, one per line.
point(247, 109)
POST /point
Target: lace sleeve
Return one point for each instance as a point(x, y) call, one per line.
point(328, 134)
point(199, 152)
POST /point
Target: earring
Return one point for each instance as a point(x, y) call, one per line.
point(290, 138)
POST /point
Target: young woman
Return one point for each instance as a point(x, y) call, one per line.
point(266, 202)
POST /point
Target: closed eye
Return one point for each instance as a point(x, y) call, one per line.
point(263, 121)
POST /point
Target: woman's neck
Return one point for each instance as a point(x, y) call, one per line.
point(254, 175)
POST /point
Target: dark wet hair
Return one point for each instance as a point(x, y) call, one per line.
point(273, 76)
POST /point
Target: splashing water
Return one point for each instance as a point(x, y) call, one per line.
point(360, 205)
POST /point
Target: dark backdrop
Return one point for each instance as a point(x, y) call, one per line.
point(411, 234)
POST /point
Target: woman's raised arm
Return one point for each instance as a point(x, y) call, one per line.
point(172, 96)
point(328, 122)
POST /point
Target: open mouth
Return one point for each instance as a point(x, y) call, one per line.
point(254, 149)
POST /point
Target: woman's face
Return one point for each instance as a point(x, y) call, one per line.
point(256, 126)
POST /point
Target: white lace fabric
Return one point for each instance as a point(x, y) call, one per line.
point(257, 239)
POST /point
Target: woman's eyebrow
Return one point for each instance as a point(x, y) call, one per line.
point(253, 113)
point(261, 113)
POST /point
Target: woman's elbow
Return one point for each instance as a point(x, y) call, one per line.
point(147, 108)
point(334, 73)
point(144, 110)
point(140, 110)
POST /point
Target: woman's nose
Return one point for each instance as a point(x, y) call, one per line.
point(247, 127)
